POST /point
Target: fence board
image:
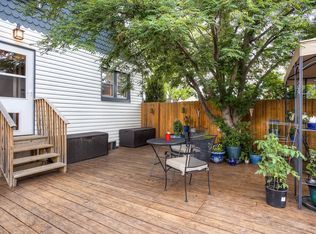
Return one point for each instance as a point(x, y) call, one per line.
point(162, 115)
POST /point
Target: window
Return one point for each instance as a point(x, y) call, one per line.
point(115, 86)
point(12, 74)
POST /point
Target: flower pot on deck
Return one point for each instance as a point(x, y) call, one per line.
point(276, 198)
point(312, 190)
point(217, 157)
point(233, 152)
point(255, 158)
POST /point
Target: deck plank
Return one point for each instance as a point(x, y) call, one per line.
point(116, 194)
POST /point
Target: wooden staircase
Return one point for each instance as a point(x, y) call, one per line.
point(25, 156)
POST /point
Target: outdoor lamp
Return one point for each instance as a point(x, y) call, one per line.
point(18, 33)
point(251, 111)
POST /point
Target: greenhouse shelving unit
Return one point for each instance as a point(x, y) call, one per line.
point(301, 71)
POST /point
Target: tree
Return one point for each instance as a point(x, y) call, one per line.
point(224, 50)
point(178, 93)
point(154, 89)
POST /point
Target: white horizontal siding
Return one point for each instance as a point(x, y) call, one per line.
point(71, 81)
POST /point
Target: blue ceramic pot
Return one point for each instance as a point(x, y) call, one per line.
point(186, 129)
point(311, 126)
point(255, 158)
point(312, 192)
point(232, 161)
point(233, 152)
point(217, 157)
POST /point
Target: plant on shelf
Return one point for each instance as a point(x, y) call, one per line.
point(312, 123)
point(177, 128)
point(311, 181)
point(275, 168)
point(291, 117)
point(217, 153)
point(187, 122)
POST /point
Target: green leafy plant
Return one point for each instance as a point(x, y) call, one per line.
point(218, 148)
point(187, 120)
point(274, 165)
point(311, 166)
point(177, 127)
point(224, 50)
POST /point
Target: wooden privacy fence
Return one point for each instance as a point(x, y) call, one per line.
point(162, 115)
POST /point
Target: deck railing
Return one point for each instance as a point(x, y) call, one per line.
point(50, 123)
point(6, 144)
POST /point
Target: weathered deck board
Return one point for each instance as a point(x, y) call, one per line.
point(116, 194)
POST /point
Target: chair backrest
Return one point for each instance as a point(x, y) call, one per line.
point(203, 147)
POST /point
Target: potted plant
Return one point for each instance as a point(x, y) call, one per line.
point(187, 122)
point(177, 128)
point(311, 180)
point(217, 154)
point(233, 148)
point(244, 156)
point(312, 123)
point(255, 157)
point(275, 168)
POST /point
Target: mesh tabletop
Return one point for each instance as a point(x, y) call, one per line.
point(164, 142)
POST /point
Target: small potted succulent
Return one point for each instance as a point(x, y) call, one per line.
point(275, 168)
point(187, 122)
point(311, 180)
point(177, 128)
point(217, 154)
point(311, 124)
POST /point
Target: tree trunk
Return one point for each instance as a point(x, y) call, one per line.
point(227, 117)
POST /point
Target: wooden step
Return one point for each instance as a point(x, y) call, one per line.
point(34, 158)
point(28, 138)
point(28, 147)
point(35, 170)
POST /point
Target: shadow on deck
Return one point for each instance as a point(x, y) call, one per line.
point(116, 194)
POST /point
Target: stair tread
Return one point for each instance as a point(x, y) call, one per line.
point(31, 146)
point(28, 138)
point(35, 170)
point(34, 158)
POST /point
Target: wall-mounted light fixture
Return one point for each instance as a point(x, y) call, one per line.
point(18, 33)
point(251, 111)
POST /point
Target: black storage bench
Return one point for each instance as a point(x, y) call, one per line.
point(135, 137)
point(88, 145)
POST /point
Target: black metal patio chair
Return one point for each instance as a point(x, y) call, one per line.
point(186, 164)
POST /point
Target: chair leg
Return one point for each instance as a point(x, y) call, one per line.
point(190, 179)
point(208, 182)
point(166, 179)
point(185, 187)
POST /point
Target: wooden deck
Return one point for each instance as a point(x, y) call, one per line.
point(115, 194)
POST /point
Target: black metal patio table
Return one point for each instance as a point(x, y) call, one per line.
point(163, 142)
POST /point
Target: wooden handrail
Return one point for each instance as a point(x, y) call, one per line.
point(6, 145)
point(51, 123)
point(53, 107)
point(7, 116)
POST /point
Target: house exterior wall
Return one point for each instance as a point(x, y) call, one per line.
point(71, 80)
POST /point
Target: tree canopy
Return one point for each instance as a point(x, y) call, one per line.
point(223, 49)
